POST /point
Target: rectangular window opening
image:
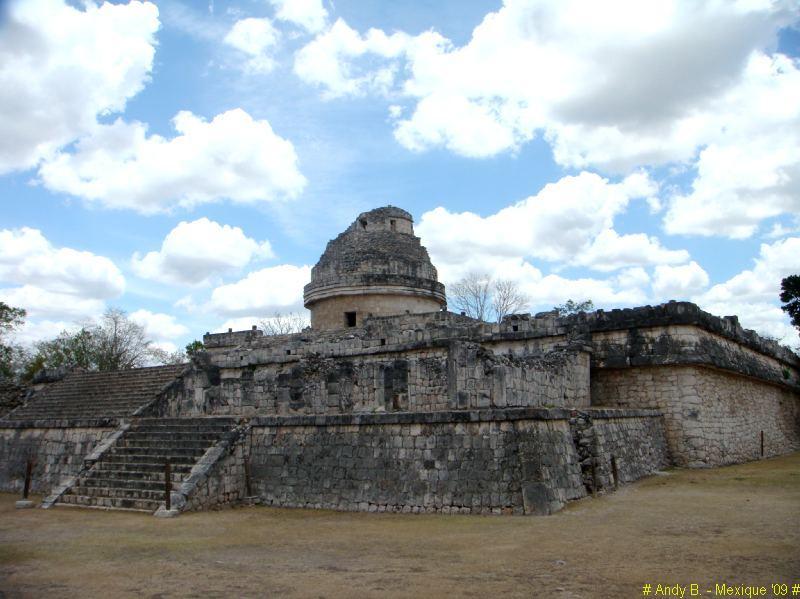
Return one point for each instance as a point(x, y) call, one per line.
point(393, 225)
point(350, 319)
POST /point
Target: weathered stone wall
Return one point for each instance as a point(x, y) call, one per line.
point(462, 375)
point(689, 344)
point(627, 449)
point(712, 417)
point(58, 449)
point(330, 313)
point(219, 477)
point(487, 461)
point(11, 396)
point(680, 318)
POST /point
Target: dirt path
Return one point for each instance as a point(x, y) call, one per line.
point(738, 525)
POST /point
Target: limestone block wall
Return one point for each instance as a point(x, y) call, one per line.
point(58, 448)
point(629, 448)
point(689, 344)
point(329, 313)
point(482, 378)
point(218, 479)
point(487, 461)
point(461, 375)
point(712, 417)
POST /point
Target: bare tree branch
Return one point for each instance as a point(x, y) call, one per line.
point(472, 295)
point(284, 324)
point(507, 299)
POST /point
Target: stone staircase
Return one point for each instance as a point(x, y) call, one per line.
point(130, 475)
point(83, 395)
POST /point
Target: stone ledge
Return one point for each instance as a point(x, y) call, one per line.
point(449, 416)
point(62, 423)
point(682, 313)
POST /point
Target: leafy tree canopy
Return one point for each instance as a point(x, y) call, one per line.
point(11, 355)
point(573, 307)
point(790, 296)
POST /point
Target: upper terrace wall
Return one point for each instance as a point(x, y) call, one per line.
point(460, 375)
point(421, 363)
point(682, 333)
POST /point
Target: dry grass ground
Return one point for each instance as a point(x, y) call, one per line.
point(736, 525)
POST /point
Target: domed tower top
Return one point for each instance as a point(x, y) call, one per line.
point(377, 267)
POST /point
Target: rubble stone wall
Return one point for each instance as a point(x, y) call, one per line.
point(487, 461)
point(712, 417)
point(461, 375)
point(58, 449)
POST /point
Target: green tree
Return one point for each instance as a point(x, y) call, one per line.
point(10, 319)
point(113, 343)
point(790, 296)
point(194, 347)
point(573, 307)
point(11, 356)
point(69, 350)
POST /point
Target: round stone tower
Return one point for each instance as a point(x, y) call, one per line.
point(377, 267)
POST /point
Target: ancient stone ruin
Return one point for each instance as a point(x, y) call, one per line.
point(391, 403)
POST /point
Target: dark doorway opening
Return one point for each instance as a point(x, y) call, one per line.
point(350, 319)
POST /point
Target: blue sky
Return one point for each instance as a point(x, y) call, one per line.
point(188, 161)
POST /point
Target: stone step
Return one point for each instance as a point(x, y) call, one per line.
point(145, 459)
point(85, 407)
point(156, 427)
point(117, 493)
point(130, 475)
point(82, 409)
point(161, 452)
point(151, 468)
point(178, 433)
point(123, 483)
point(185, 443)
point(117, 503)
point(154, 475)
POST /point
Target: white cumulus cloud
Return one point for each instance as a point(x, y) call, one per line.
point(263, 292)
point(610, 251)
point(569, 222)
point(679, 282)
point(610, 86)
point(753, 293)
point(329, 59)
point(232, 157)
point(750, 170)
point(256, 38)
point(308, 14)
point(159, 327)
point(193, 253)
point(61, 67)
point(28, 258)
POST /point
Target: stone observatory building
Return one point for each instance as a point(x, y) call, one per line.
point(377, 267)
point(388, 402)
